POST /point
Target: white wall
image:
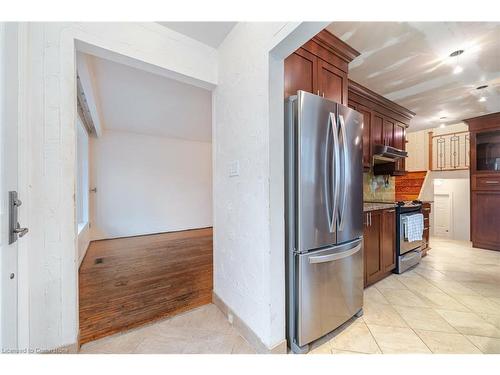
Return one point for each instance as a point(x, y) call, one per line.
point(51, 306)
point(249, 271)
point(149, 184)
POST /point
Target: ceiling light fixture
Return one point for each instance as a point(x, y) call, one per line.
point(458, 69)
point(456, 53)
point(442, 126)
point(482, 99)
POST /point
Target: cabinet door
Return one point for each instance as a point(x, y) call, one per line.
point(485, 223)
point(388, 132)
point(373, 259)
point(300, 72)
point(377, 128)
point(367, 121)
point(388, 240)
point(400, 143)
point(332, 82)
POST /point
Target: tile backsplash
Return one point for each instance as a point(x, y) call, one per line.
point(378, 188)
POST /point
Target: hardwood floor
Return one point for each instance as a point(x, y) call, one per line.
point(127, 282)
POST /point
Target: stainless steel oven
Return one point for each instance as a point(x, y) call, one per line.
point(408, 254)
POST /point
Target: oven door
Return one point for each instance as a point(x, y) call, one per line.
point(405, 245)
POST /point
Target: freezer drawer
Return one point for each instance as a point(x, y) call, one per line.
point(330, 289)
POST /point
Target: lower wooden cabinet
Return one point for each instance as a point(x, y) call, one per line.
point(371, 247)
point(485, 223)
point(388, 240)
point(379, 244)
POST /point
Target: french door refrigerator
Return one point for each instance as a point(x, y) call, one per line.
point(324, 208)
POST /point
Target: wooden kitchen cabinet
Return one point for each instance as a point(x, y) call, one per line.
point(485, 206)
point(388, 240)
point(388, 131)
point(371, 247)
point(332, 82)
point(320, 67)
point(388, 123)
point(485, 181)
point(379, 244)
point(300, 72)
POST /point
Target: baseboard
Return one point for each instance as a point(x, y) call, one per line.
point(246, 331)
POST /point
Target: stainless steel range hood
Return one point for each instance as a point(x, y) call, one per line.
point(387, 154)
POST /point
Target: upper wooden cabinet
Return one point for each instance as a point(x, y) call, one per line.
point(332, 82)
point(485, 180)
point(388, 123)
point(320, 67)
point(301, 72)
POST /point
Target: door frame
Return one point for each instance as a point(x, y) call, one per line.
point(22, 183)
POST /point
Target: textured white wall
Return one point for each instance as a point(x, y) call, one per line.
point(149, 184)
point(248, 209)
point(53, 259)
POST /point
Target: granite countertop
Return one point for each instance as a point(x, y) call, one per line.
point(373, 206)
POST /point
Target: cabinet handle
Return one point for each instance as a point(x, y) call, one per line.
point(318, 92)
point(323, 95)
point(390, 210)
point(427, 209)
point(370, 219)
point(491, 182)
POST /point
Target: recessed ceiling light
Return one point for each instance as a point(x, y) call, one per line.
point(481, 87)
point(442, 126)
point(482, 99)
point(456, 53)
point(458, 69)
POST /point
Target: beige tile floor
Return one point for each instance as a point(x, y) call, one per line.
point(449, 303)
point(204, 330)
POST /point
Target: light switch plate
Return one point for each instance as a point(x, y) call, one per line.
point(234, 168)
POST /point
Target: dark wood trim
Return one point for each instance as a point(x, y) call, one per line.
point(329, 41)
point(485, 122)
point(326, 55)
point(405, 115)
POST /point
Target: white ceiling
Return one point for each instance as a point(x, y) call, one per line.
point(210, 33)
point(409, 63)
point(141, 102)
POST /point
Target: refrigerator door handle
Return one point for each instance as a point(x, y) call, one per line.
point(335, 256)
point(345, 173)
point(328, 173)
point(336, 162)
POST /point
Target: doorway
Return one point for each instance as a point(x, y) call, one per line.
point(144, 197)
point(442, 215)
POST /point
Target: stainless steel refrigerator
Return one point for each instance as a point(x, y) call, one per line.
point(324, 208)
